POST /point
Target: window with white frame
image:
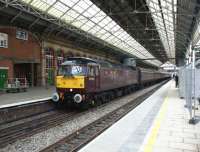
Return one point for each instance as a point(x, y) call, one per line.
point(22, 35)
point(3, 40)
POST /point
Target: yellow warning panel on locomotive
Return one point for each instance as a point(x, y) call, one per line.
point(70, 82)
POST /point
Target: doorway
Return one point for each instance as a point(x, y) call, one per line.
point(3, 78)
point(28, 71)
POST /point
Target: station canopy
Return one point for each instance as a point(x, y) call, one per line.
point(85, 15)
point(164, 16)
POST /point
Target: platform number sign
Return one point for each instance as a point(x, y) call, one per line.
point(3, 40)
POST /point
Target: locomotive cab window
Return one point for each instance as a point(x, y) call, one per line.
point(72, 70)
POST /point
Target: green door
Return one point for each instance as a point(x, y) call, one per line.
point(3, 77)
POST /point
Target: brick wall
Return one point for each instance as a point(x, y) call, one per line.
point(23, 51)
point(20, 49)
point(9, 64)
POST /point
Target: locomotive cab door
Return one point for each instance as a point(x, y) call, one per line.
point(97, 77)
point(93, 77)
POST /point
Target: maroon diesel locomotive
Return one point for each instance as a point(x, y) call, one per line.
point(84, 81)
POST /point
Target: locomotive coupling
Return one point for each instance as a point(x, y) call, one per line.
point(77, 98)
point(55, 97)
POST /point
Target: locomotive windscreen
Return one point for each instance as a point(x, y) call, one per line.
point(72, 70)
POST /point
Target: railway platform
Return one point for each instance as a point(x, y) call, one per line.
point(34, 94)
point(159, 124)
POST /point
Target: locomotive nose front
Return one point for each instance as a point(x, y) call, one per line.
point(70, 83)
point(69, 89)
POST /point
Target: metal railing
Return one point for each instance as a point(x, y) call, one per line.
point(16, 84)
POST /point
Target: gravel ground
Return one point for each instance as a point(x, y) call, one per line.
point(41, 140)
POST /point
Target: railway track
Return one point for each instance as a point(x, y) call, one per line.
point(13, 131)
point(32, 126)
point(20, 111)
point(81, 137)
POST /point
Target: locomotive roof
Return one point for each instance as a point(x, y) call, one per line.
point(79, 60)
point(84, 60)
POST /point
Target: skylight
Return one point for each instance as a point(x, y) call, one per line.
point(86, 16)
point(162, 12)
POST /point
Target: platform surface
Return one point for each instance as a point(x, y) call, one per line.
point(159, 124)
point(32, 95)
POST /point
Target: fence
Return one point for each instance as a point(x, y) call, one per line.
point(189, 88)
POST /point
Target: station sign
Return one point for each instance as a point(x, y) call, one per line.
point(22, 35)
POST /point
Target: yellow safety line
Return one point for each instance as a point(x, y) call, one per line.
point(156, 126)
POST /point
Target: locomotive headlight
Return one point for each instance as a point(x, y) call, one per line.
point(55, 97)
point(77, 98)
point(70, 90)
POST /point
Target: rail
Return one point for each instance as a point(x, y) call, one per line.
point(22, 127)
point(81, 137)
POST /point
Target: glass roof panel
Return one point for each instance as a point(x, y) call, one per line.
point(89, 18)
point(27, 1)
point(72, 13)
point(105, 36)
point(94, 29)
point(42, 5)
point(79, 21)
point(105, 21)
point(67, 18)
point(55, 12)
point(79, 9)
point(69, 3)
point(110, 26)
point(164, 25)
point(60, 6)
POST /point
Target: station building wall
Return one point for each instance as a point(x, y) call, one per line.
point(53, 51)
point(33, 57)
point(8, 65)
point(22, 48)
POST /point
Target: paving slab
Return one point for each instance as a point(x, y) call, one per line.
point(35, 93)
point(174, 133)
